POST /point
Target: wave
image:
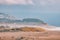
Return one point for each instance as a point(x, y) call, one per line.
point(46, 27)
point(52, 28)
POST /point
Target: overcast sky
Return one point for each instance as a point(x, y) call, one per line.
point(32, 2)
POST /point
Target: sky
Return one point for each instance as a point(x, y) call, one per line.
point(46, 10)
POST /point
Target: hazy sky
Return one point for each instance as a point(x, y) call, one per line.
point(46, 10)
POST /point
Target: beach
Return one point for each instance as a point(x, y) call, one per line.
point(29, 32)
point(48, 35)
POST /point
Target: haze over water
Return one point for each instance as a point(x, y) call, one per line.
point(46, 10)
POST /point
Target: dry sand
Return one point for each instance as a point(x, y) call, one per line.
point(51, 35)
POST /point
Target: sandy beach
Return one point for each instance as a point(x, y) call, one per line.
point(51, 35)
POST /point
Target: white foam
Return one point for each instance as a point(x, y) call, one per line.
point(55, 29)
